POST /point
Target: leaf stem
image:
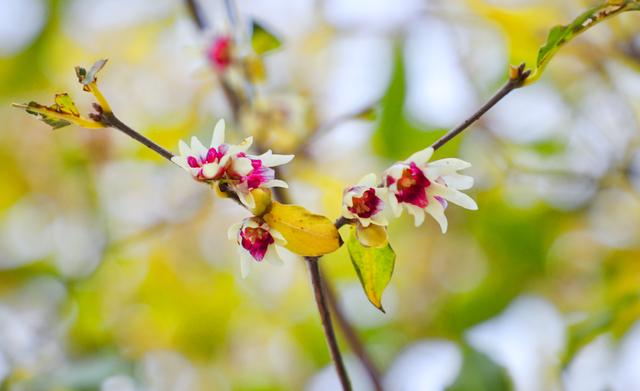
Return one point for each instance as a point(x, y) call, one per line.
point(515, 81)
point(325, 316)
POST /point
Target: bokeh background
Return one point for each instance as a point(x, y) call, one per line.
point(116, 272)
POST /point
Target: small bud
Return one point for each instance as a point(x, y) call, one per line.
point(262, 199)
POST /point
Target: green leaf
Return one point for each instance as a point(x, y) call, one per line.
point(560, 35)
point(307, 234)
point(60, 114)
point(479, 373)
point(262, 40)
point(374, 267)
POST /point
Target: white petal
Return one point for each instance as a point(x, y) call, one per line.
point(181, 161)
point(242, 147)
point(395, 207)
point(234, 229)
point(245, 262)
point(246, 199)
point(276, 183)
point(421, 157)
point(436, 210)
point(271, 160)
point(272, 256)
point(197, 147)
point(379, 219)
point(217, 138)
point(184, 148)
point(418, 214)
point(368, 180)
point(458, 182)
point(446, 166)
point(210, 170)
point(277, 236)
point(454, 196)
point(241, 165)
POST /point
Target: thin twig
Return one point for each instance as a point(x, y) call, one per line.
point(196, 14)
point(325, 316)
point(351, 336)
point(112, 121)
point(516, 81)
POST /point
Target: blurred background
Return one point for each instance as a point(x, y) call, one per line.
point(116, 272)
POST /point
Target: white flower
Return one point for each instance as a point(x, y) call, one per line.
point(256, 242)
point(206, 164)
point(422, 187)
point(249, 172)
point(364, 202)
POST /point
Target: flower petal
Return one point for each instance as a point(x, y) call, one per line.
point(276, 183)
point(272, 256)
point(217, 138)
point(210, 170)
point(436, 210)
point(234, 230)
point(245, 262)
point(421, 157)
point(368, 180)
point(184, 148)
point(455, 196)
point(446, 167)
point(417, 212)
point(395, 206)
point(197, 147)
point(181, 161)
point(272, 160)
point(458, 181)
point(241, 166)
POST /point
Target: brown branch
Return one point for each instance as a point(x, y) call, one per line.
point(111, 120)
point(351, 336)
point(325, 316)
point(515, 81)
point(196, 14)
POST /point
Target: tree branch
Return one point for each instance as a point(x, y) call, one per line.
point(516, 80)
point(111, 120)
point(325, 316)
point(351, 336)
point(196, 14)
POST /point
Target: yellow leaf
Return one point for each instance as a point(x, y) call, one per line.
point(372, 236)
point(307, 234)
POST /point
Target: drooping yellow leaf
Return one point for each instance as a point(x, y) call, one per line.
point(307, 234)
point(60, 114)
point(374, 267)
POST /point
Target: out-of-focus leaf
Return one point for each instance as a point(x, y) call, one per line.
point(307, 234)
point(60, 114)
point(374, 267)
point(479, 373)
point(395, 136)
point(262, 40)
point(560, 35)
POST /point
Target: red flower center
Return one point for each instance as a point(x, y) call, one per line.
point(256, 241)
point(411, 186)
point(366, 205)
point(220, 52)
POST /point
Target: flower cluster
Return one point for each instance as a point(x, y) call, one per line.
point(231, 164)
point(415, 184)
point(243, 174)
point(256, 242)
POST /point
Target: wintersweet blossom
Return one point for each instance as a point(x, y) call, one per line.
point(220, 53)
point(250, 172)
point(206, 164)
point(419, 186)
point(256, 242)
point(364, 202)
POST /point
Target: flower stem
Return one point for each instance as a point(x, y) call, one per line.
point(325, 316)
point(516, 81)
